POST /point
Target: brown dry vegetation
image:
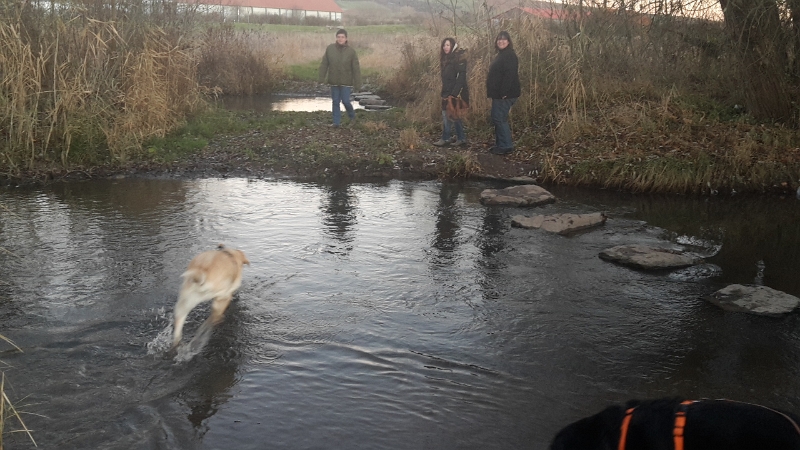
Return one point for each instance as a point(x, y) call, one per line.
point(9, 413)
point(618, 102)
point(78, 90)
point(608, 100)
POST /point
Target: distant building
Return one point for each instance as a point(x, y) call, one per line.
point(242, 10)
point(550, 10)
point(512, 9)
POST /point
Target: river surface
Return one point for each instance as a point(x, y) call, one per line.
point(400, 315)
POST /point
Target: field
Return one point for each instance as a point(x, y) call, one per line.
point(297, 50)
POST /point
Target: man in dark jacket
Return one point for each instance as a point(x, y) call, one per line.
point(340, 69)
point(502, 86)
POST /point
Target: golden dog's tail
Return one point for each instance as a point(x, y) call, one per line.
point(194, 276)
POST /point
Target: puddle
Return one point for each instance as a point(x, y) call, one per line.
point(279, 103)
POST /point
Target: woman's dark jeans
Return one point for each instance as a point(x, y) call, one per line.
point(502, 130)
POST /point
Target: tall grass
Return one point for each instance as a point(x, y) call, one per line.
point(565, 67)
point(8, 411)
point(86, 86)
point(626, 100)
point(250, 53)
point(74, 84)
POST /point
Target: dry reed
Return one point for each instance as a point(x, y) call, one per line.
point(83, 90)
point(7, 409)
point(616, 100)
point(377, 51)
point(409, 139)
point(253, 54)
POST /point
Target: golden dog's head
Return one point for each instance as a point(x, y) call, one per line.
point(238, 255)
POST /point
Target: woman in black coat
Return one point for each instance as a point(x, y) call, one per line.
point(453, 64)
point(502, 86)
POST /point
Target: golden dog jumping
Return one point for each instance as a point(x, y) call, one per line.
point(212, 275)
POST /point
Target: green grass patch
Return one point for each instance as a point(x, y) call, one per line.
point(194, 136)
point(174, 147)
point(305, 72)
point(215, 121)
point(384, 159)
point(352, 31)
point(310, 70)
point(283, 28)
point(364, 6)
point(384, 29)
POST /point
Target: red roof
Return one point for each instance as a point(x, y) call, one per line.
point(542, 9)
point(300, 5)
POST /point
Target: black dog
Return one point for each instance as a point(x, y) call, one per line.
point(670, 424)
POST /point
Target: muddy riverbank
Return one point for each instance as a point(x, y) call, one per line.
point(302, 145)
point(707, 159)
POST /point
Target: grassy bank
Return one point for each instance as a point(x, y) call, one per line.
point(607, 101)
point(379, 145)
point(721, 159)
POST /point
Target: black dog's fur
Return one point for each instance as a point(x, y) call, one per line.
point(710, 425)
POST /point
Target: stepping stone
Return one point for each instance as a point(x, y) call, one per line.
point(371, 101)
point(377, 107)
point(560, 223)
point(522, 180)
point(525, 195)
point(760, 300)
point(649, 258)
point(366, 97)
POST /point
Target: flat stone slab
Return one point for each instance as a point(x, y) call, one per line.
point(649, 258)
point(377, 107)
point(522, 180)
point(761, 300)
point(371, 101)
point(523, 195)
point(560, 223)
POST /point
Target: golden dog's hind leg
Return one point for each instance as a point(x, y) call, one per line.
point(187, 300)
point(218, 308)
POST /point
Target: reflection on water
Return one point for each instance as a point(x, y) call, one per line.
point(279, 103)
point(340, 216)
point(395, 315)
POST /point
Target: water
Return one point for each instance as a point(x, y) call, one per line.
point(279, 103)
point(377, 316)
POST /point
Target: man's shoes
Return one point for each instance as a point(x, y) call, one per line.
point(441, 143)
point(460, 143)
point(334, 125)
point(501, 151)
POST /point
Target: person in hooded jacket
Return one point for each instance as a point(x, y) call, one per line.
point(453, 65)
point(502, 86)
point(341, 70)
